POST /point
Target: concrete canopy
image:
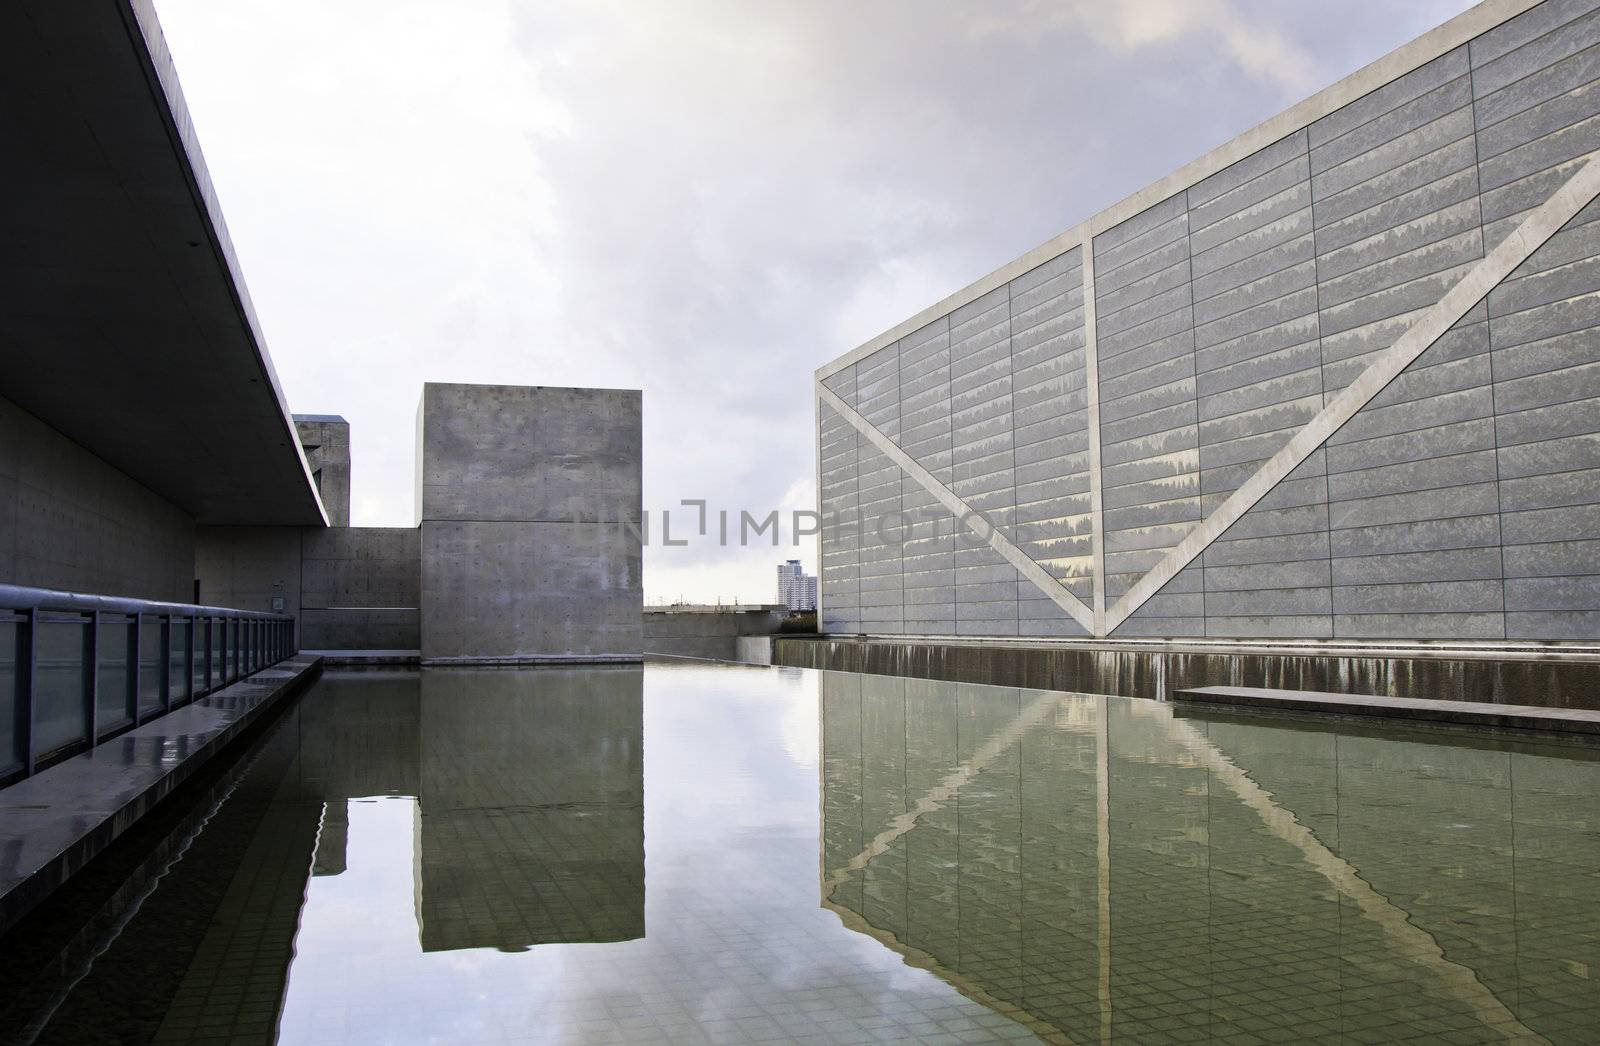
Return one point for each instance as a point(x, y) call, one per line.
point(124, 320)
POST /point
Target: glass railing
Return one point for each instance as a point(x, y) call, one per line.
point(76, 670)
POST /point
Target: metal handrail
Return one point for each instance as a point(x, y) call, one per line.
point(199, 650)
point(19, 597)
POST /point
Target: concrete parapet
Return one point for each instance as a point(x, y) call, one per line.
point(705, 631)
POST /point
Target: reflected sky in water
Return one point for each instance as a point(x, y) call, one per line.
point(707, 853)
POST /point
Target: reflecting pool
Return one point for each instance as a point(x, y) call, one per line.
point(716, 853)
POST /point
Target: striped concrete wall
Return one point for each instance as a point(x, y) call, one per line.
point(1460, 499)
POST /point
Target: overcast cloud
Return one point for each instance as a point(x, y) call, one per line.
point(705, 199)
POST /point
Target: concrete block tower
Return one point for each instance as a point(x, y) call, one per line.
point(530, 506)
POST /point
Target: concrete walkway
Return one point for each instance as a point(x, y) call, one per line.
point(53, 823)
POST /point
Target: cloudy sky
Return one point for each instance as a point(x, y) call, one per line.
point(705, 199)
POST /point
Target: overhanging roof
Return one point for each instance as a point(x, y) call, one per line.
point(124, 321)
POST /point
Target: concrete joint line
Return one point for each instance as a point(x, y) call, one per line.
point(974, 521)
point(1472, 288)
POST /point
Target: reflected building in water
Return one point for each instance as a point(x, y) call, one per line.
point(1098, 867)
point(537, 837)
point(532, 817)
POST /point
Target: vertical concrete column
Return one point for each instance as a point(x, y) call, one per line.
point(531, 523)
point(325, 438)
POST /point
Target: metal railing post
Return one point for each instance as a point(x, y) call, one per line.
point(137, 656)
point(188, 663)
point(166, 662)
point(91, 697)
point(30, 677)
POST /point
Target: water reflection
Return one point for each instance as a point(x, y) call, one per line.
point(531, 825)
point(461, 856)
point(529, 796)
point(489, 809)
point(455, 856)
point(1101, 867)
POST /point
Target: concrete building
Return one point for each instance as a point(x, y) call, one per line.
point(325, 440)
point(1338, 378)
point(137, 399)
point(530, 510)
point(528, 547)
point(152, 478)
point(797, 590)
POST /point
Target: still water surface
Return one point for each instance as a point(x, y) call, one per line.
point(699, 853)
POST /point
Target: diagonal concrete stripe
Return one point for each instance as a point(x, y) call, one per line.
point(973, 520)
point(1408, 940)
point(935, 799)
point(1499, 263)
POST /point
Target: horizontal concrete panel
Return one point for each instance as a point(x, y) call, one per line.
point(1436, 441)
point(1288, 601)
point(1552, 559)
point(1415, 506)
point(513, 589)
point(1308, 573)
point(1161, 626)
point(1278, 626)
point(1258, 522)
point(1422, 536)
point(1455, 564)
point(1554, 593)
point(1572, 625)
point(1419, 597)
point(1476, 467)
point(1420, 626)
point(1572, 523)
point(1559, 489)
point(518, 453)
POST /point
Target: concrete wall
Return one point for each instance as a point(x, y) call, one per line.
point(1156, 671)
point(530, 523)
point(1230, 311)
point(248, 567)
point(706, 632)
point(351, 588)
point(753, 650)
point(361, 589)
point(70, 521)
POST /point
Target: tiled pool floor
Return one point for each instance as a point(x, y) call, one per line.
point(703, 853)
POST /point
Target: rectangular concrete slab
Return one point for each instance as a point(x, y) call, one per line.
point(1466, 713)
point(528, 453)
point(531, 532)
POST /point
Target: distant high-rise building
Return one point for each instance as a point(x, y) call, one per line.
point(797, 590)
